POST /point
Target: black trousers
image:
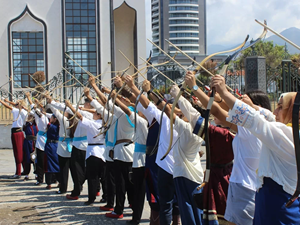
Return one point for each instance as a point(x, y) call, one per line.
point(123, 185)
point(110, 184)
point(40, 165)
point(139, 192)
point(94, 170)
point(103, 182)
point(51, 178)
point(64, 165)
point(77, 167)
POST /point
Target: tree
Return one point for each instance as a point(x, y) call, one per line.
point(273, 54)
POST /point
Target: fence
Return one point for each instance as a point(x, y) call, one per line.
point(59, 91)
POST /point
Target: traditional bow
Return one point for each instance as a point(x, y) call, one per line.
point(184, 86)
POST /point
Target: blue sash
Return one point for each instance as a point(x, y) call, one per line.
point(68, 141)
point(198, 125)
point(42, 133)
point(80, 138)
point(140, 148)
point(108, 143)
point(127, 117)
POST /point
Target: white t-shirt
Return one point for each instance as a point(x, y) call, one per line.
point(168, 163)
point(277, 160)
point(186, 153)
point(80, 131)
point(63, 149)
point(139, 158)
point(122, 151)
point(92, 128)
point(42, 123)
point(20, 122)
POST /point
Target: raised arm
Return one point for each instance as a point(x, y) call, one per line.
point(143, 99)
point(121, 104)
point(10, 102)
point(6, 105)
point(119, 83)
point(78, 114)
point(27, 94)
point(95, 87)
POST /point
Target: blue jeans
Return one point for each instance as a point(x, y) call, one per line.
point(167, 201)
point(190, 214)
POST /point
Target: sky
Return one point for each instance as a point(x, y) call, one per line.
point(229, 21)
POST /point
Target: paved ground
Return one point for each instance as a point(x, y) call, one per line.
point(23, 203)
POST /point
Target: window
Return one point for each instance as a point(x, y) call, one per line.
point(184, 1)
point(185, 42)
point(184, 28)
point(80, 17)
point(184, 35)
point(28, 57)
point(184, 15)
point(188, 8)
point(185, 48)
point(183, 21)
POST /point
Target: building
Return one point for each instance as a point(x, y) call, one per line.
point(183, 22)
point(36, 34)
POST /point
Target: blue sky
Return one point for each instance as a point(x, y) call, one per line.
point(229, 21)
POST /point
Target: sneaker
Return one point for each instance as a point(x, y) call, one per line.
point(37, 183)
point(114, 215)
point(48, 187)
point(132, 222)
point(88, 203)
point(103, 200)
point(106, 208)
point(70, 197)
point(98, 193)
point(26, 178)
point(15, 177)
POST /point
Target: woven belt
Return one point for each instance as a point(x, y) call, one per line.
point(30, 137)
point(16, 130)
point(52, 141)
point(122, 141)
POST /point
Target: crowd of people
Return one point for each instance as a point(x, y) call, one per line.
point(119, 137)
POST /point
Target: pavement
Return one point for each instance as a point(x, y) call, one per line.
point(21, 202)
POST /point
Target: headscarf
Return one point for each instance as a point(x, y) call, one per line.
point(288, 100)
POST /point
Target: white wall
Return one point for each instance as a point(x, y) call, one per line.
point(50, 12)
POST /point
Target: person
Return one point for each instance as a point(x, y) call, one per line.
point(122, 152)
point(41, 120)
point(17, 136)
point(277, 170)
point(221, 158)
point(79, 146)
point(94, 154)
point(64, 148)
point(30, 130)
point(247, 150)
point(168, 206)
point(51, 164)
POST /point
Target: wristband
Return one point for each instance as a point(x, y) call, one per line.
point(158, 102)
point(220, 101)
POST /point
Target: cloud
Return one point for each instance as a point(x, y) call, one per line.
point(229, 21)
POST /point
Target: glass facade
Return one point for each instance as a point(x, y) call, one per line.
point(80, 19)
point(28, 57)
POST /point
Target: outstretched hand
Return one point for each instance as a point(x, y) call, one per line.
point(129, 81)
point(218, 82)
point(86, 91)
point(190, 79)
point(146, 86)
point(92, 80)
point(118, 82)
point(174, 91)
